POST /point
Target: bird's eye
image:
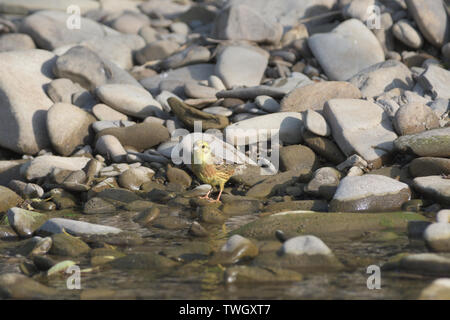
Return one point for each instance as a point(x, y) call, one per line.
point(203, 147)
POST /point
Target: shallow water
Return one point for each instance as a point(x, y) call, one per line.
point(196, 280)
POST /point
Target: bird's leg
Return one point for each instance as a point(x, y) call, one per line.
point(206, 196)
point(220, 193)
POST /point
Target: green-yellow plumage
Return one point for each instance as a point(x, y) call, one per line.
point(209, 169)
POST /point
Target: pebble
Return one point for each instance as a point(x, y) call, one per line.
point(178, 176)
point(117, 48)
point(434, 187)
point(179, 77)
point(429, 166)
point(324, 147)
point(129, 100)
point(370, 193)
point(289, 125)
point(316, 123)
point(239, 247)
point(415, 118)
point(105, 113)
point(49, 30)
point(134, 178)
point(65, 245)
point(25, 103)
point(156, 50)
point(197, 230)
point(220, 111)
point(199, 91)
point(324, 183)
point(25, 222)
point(242, 22)
point(430, 264)
point(189, 115)
point(250, 61)
point(297, 156)
point(191, 55)
point(436, 80)
point(26, 190)
point(216, 83)
point(62, 90)
point(147, 216)
point(74, 227)
point(443, 216)
point(382, 77)
point(85, 67)
point(430, 143)
point(314, 96)
point(437, 237)
point(41, 166)
point(406, 33)
point(439, 289)
point(348, 49)
point(140, 136)
point(68, 127)
point(130, 22)
point(440, 107)
point(431, 18)
point(309, 245)
point(267, 103)
point(360, 126)
point(19, 286)
point(15, 42)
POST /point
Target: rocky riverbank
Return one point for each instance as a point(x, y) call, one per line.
point(94, 110)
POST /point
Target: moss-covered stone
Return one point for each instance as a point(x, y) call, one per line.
point(68, 246)
point(322, 223)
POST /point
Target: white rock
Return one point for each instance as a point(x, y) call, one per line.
point(317, 124)
point(23, 101)
point(436, 80)
point(348, 49)
point(41, 166)
point(437, 290)
point(49, 29)
point(267, 103)
point(360, 127)
point(216, 82)
point(359, 9)
point(28, 6)
point(111, 148)
point(309, 245)
point(443, 216)
point(68, 127)
point(129, 99)
point(241, 65)
point(437, 236)
point(382, 77)
point(106, 113)
point(435, 187)
point(76, 228)
point(351, 188)
point(162, 99)
point(196, 72)
point(166, 148)
point(221, 111)
point(289, 125)
point(405, 32)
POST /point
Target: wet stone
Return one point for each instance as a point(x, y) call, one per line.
point(68, 246)
point(25, 222)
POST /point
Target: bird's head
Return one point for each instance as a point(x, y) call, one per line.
point(201, 152)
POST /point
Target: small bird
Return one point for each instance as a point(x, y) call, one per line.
point(210, 169)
